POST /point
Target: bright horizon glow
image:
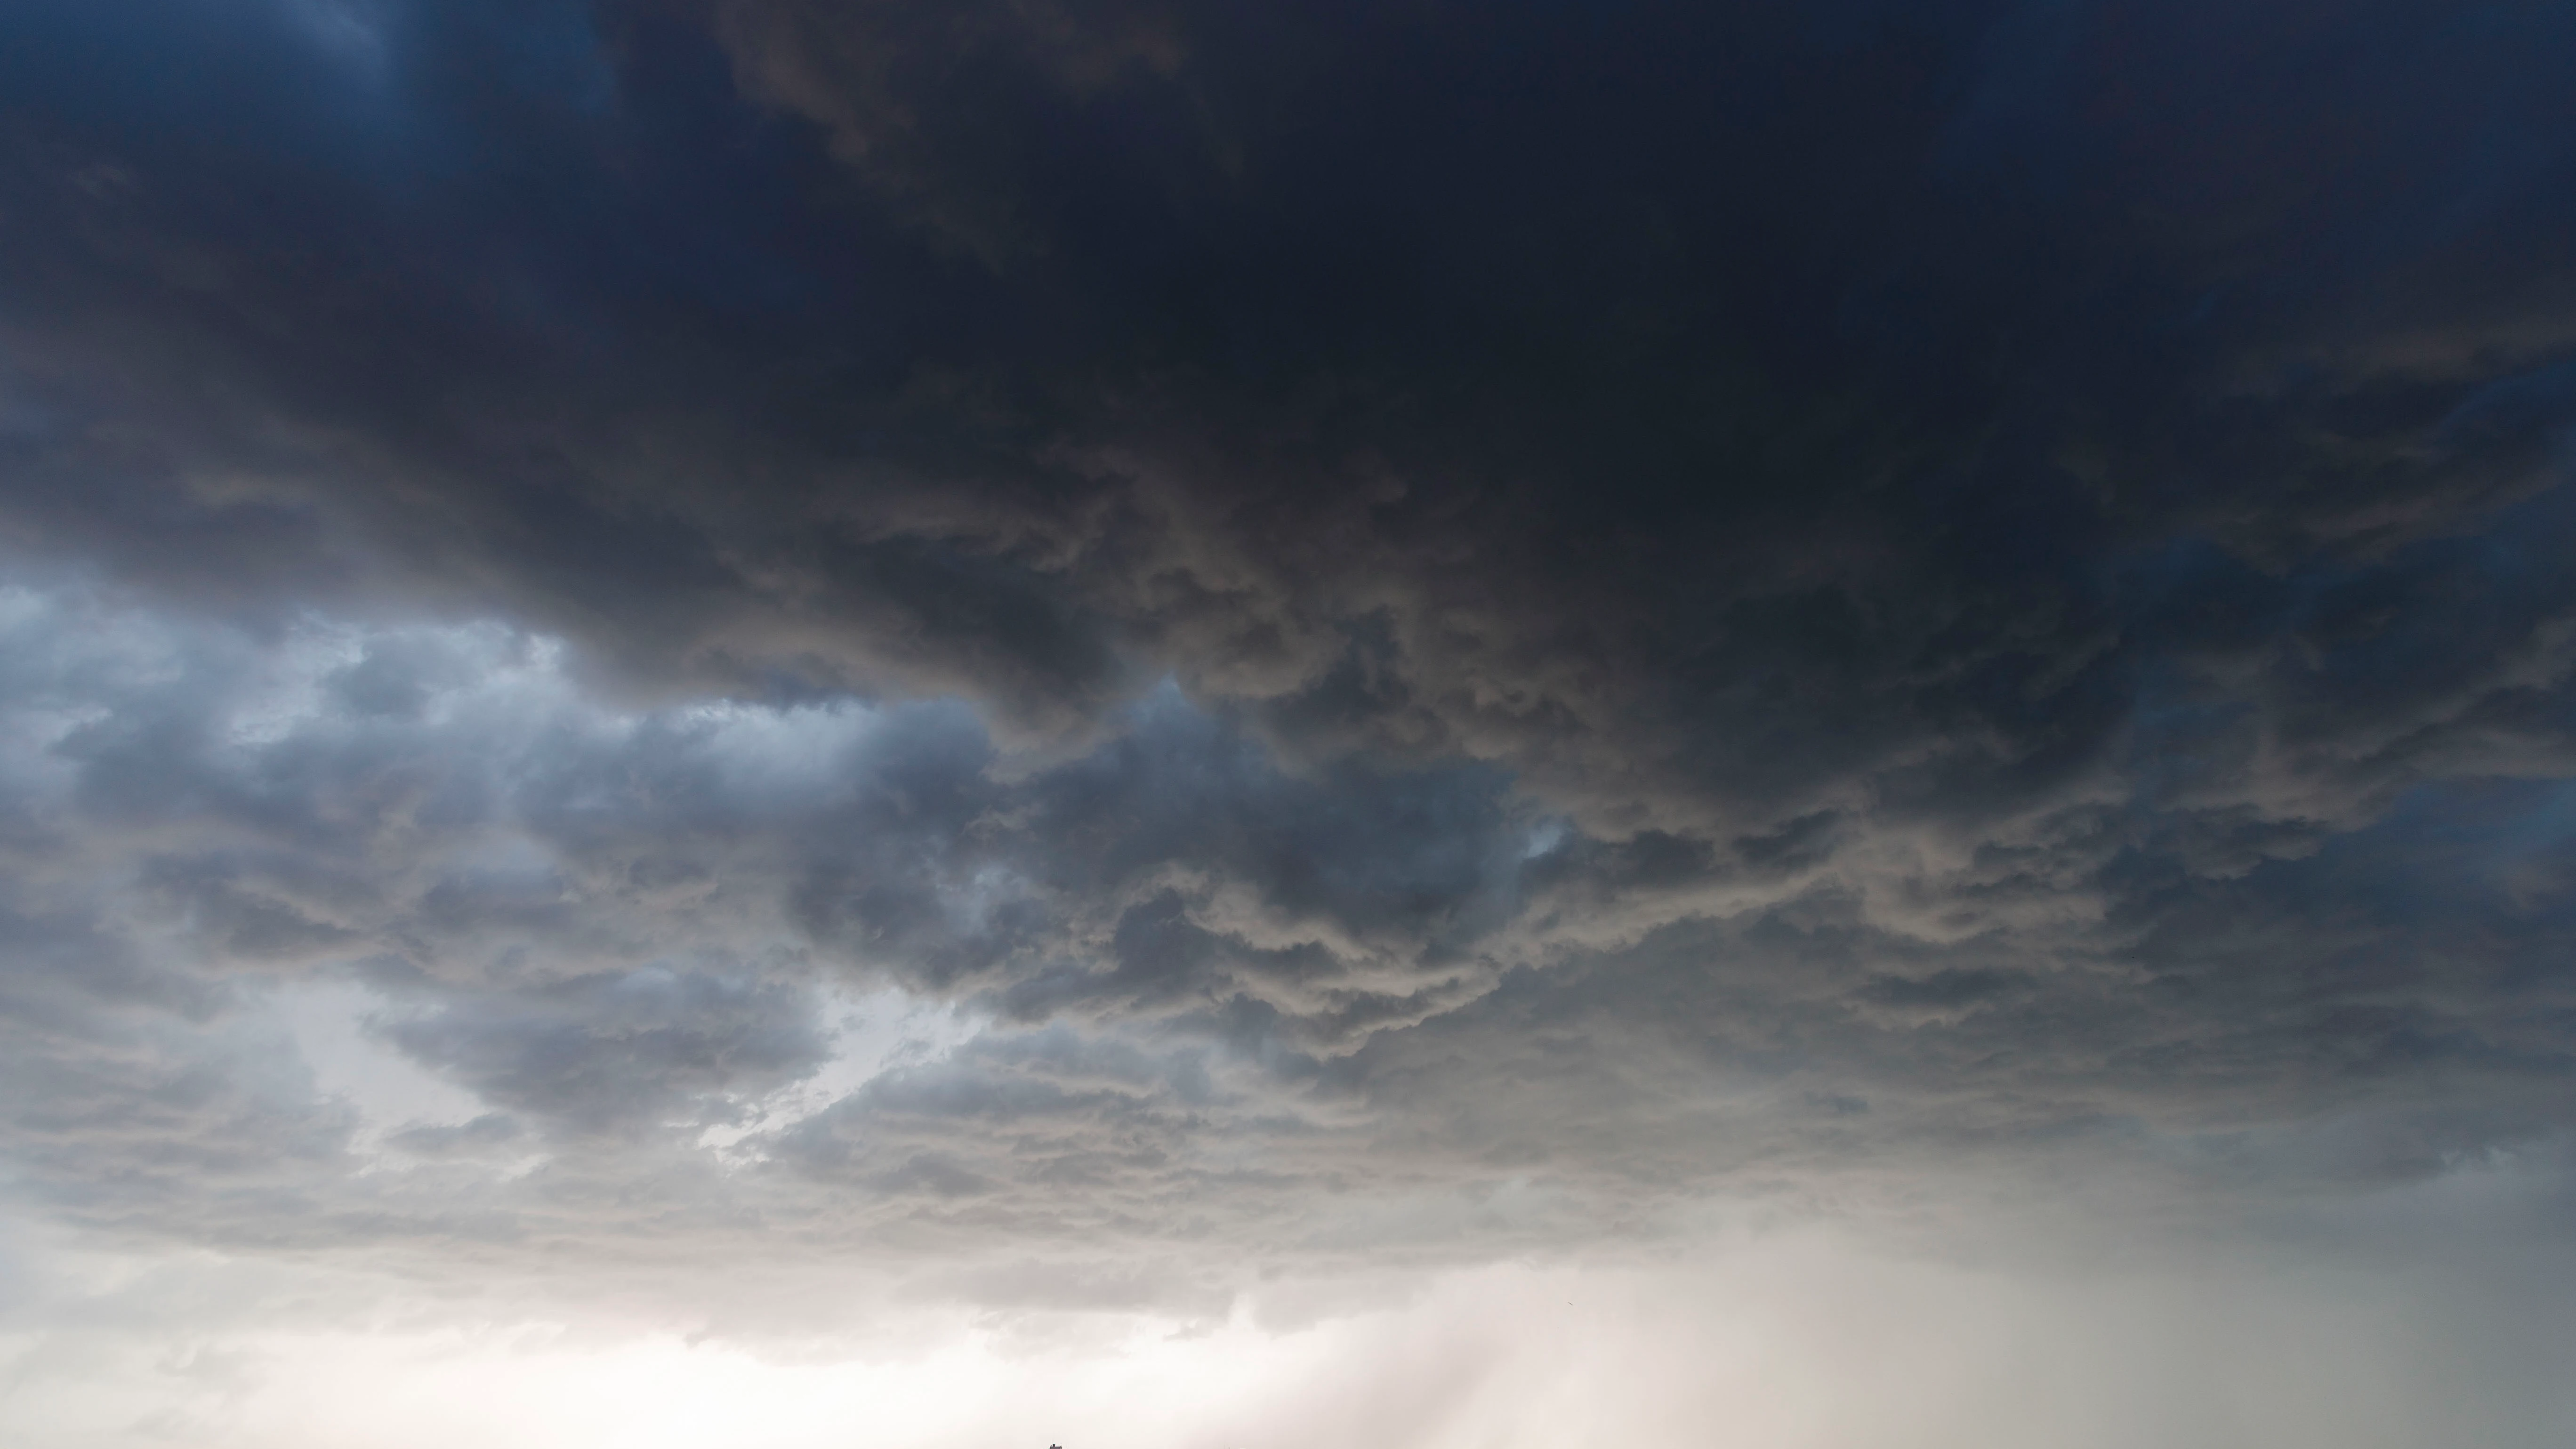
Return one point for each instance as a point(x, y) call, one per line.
point(1750, 1347)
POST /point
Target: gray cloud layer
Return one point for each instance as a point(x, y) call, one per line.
point(1438, 631)
point(1236, 1010)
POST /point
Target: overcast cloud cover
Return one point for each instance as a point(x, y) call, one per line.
point(1132, 722)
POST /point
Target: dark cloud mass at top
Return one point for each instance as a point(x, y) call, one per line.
point(1414, 624)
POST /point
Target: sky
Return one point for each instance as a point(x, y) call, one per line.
point(1229, 724)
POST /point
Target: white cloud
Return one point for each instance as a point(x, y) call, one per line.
point(331, 1023)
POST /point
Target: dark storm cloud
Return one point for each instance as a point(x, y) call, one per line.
point(1636, 593)
point(1691, 412)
